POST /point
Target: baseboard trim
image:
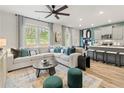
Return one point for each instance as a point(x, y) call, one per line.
point(64, 65)
point(19, 68)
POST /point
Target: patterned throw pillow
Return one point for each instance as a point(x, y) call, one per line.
point(32, 52)
point(66, 51)
point(37, 51)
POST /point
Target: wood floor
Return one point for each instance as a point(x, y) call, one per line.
point(111, 75)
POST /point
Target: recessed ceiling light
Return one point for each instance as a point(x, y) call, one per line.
point(109, 21)
point(101, 12)
point(92, 25)
point(80, 19)
point(79, 25)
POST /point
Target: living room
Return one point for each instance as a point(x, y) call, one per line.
point(56, 46)
point(37, 37)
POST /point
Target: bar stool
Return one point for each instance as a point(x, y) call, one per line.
point(120, 56)
point(101, 52)
point(111, 53)
point(93, 51)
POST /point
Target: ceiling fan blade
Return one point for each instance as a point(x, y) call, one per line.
point(65, 14)
point(62, 8)
point(57, 17)
point(48, 15)
point(48, 6)
point(42, 12)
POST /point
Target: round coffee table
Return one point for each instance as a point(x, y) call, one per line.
point(50, 66)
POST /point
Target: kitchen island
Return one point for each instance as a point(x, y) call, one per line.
point(111, 57)
point(108, 48)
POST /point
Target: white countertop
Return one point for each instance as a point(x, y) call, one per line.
point(118, 47)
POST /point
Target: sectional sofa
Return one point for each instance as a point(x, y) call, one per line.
point(21, 62)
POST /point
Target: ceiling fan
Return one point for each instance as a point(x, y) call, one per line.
point(53, 11)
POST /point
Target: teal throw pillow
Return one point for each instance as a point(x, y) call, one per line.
point(67, 51)
point(24, 52)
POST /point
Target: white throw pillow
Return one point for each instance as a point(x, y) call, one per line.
point(32, 52)
point(37, 51)
point(62, 50)
point(51, 50)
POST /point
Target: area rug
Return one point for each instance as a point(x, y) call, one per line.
point(89, 81)
point(26, 78)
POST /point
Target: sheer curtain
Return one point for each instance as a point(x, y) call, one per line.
point(71, 36)
point(33, 32)
point(67, 36)
point(51, 34)
point(75, 37)
point(20, 30)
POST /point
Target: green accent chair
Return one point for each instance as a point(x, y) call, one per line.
point(53, 82)
point(74, 78)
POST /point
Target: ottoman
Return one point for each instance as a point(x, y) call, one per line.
point(74, 78)
point(53, 82)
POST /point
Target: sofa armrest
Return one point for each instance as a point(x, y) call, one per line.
point(73, 59)
point(10, 59)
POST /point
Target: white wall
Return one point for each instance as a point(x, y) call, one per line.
point(8, 29)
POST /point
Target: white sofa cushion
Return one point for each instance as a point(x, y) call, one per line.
point(57, 55)
point(36, 57)
point(51, 50)
point(22, 59)
point(64, 57)
point(32, 52)
point(47, 54)
point(41, 56)
point(64, 62)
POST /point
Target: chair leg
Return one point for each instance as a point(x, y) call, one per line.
point(93, 55)
point(96, 56)
point(106, 58)
point(120, 61)
point(103, 58)
point(115, 60)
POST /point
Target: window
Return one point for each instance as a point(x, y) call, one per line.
point(36, 36)
point(30, 35)
point(43, 37)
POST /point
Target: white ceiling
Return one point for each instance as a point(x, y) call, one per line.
point(88, 13)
